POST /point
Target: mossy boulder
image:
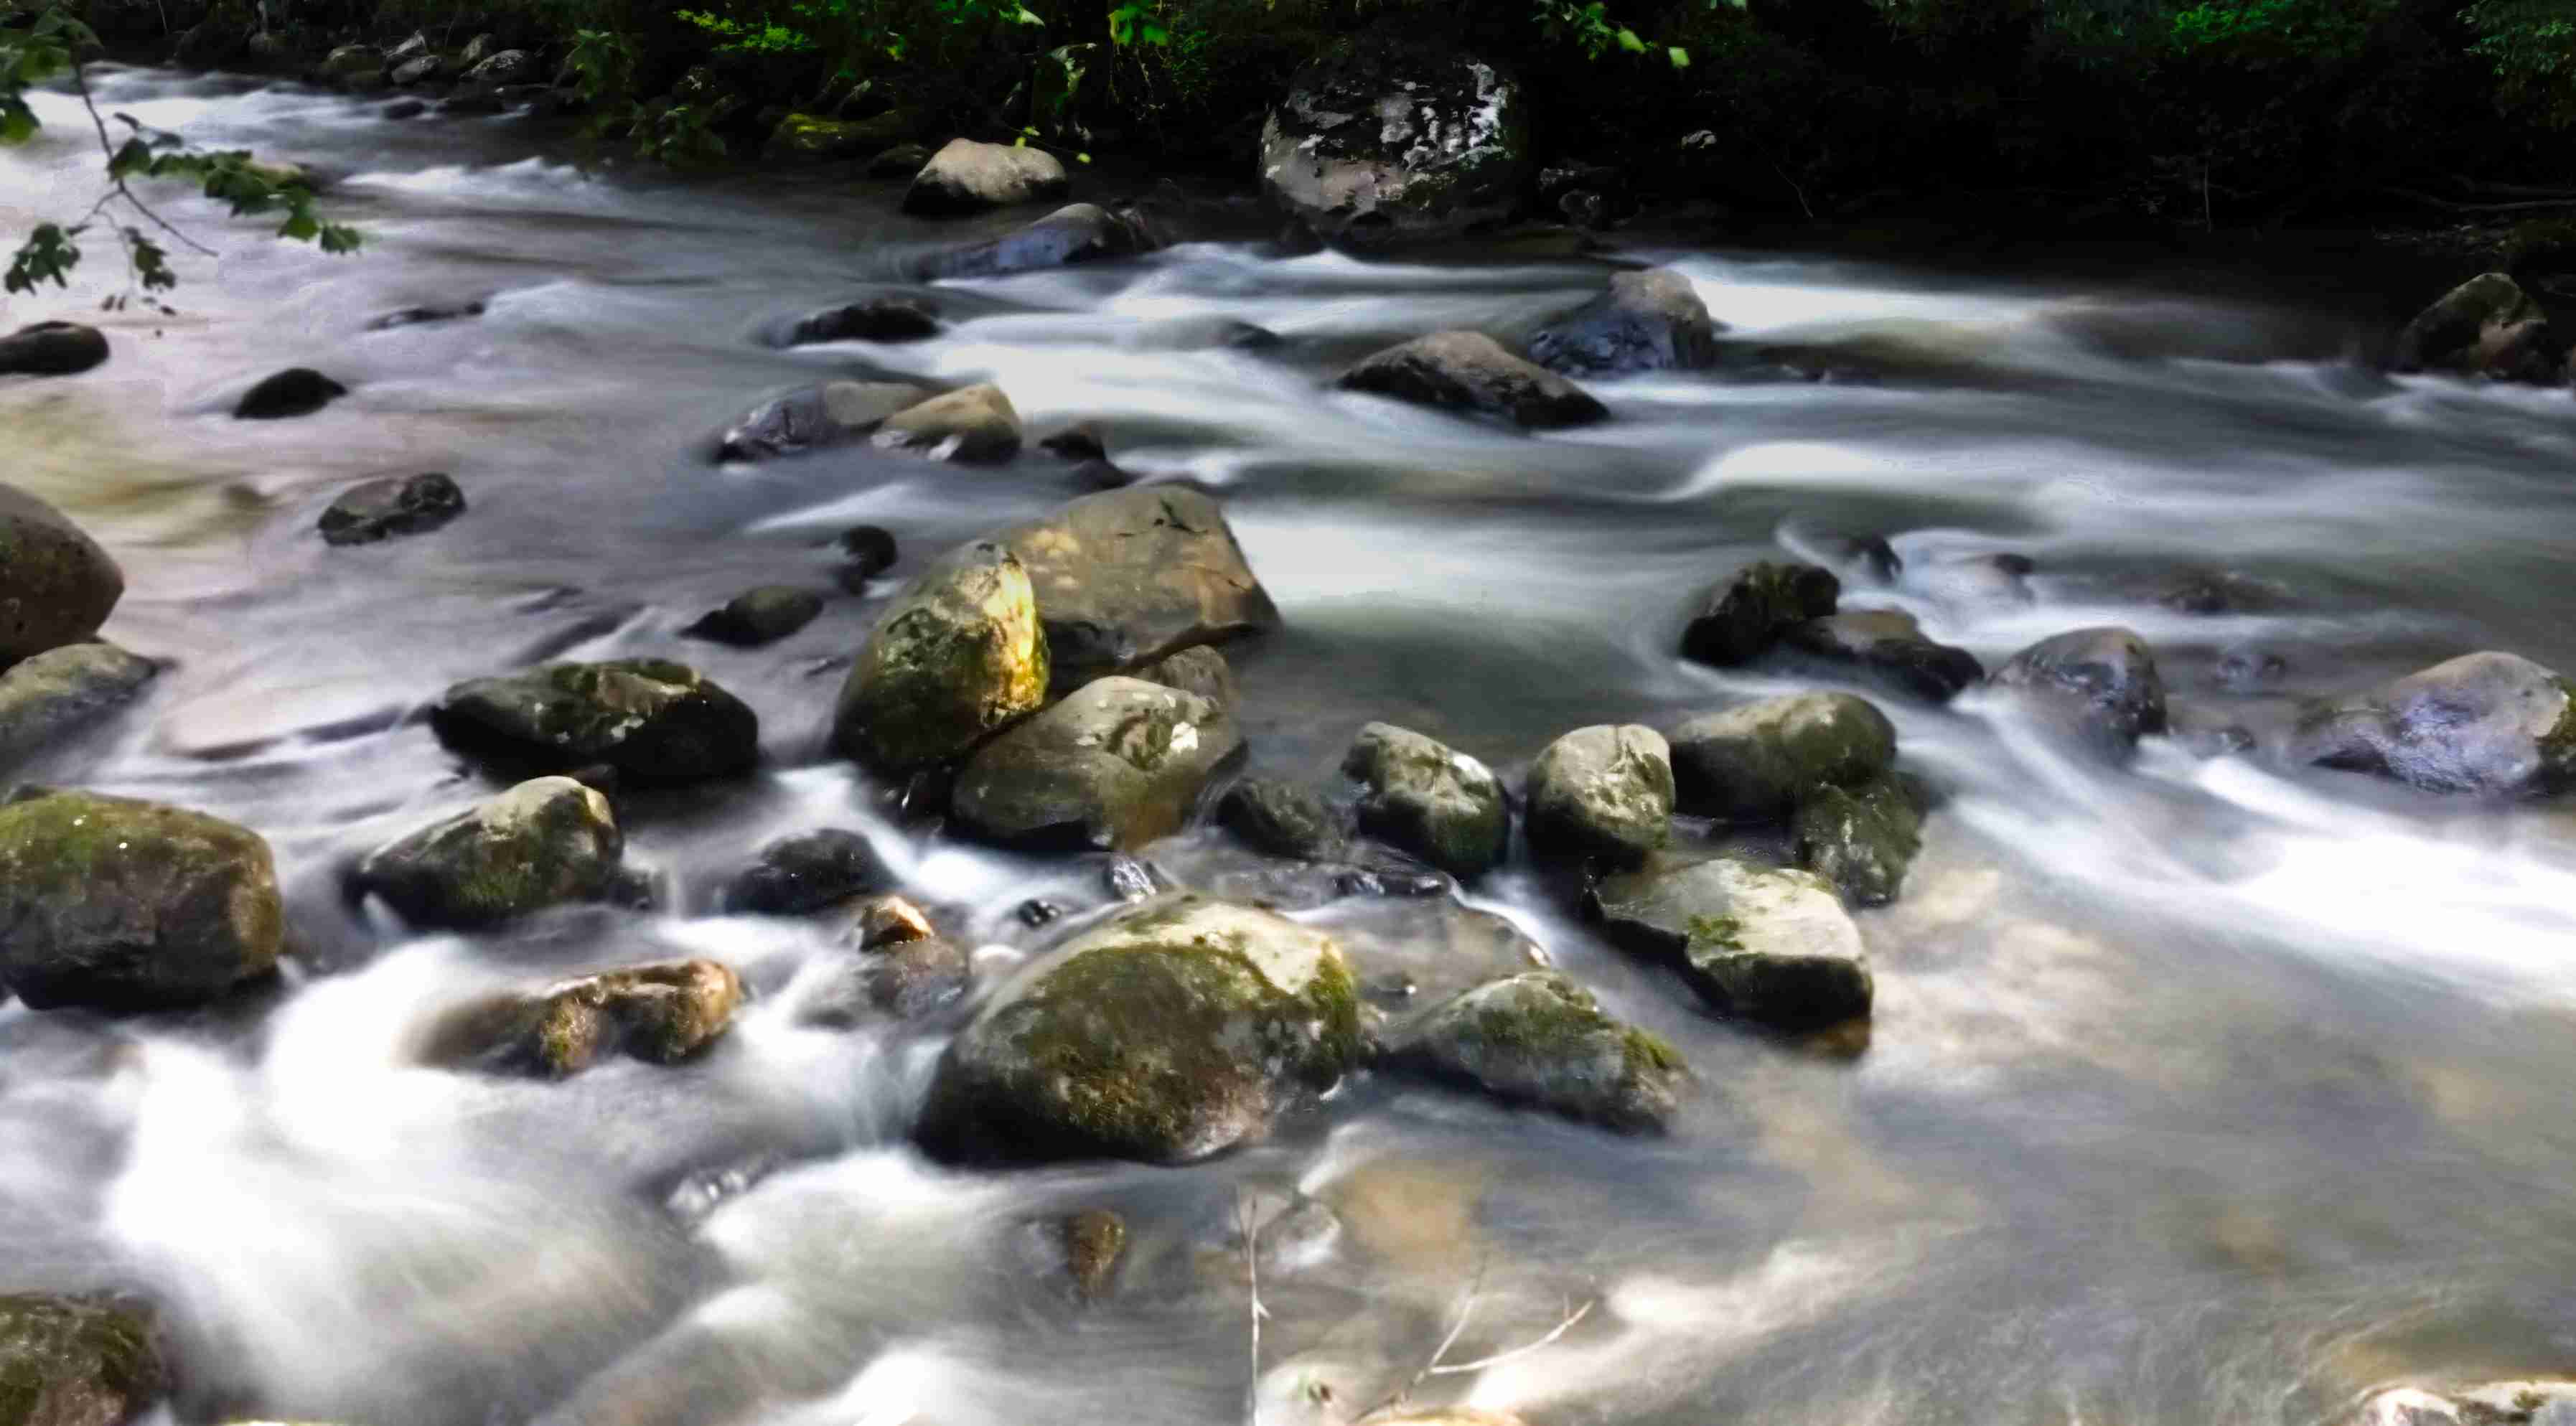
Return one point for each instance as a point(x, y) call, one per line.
point(661, 1014)
point(61, 691)
point(1423, 797)
point(975, 425)
point(808, 872)
point(811, 138)
point(2488, 724)
point(1541, 1039)
point(651, 719)
point(545, 842)
point(1887, 646)
point(1604, 792)
point(1648, 321)
point(2099, 684)
point(1860, 838)
point(1118, 764)
point(52, 349)
point(114, 904)
point(1282, 819)
point(1770, 946)
point(1742, 618)
point(1391, 142)
point(76, 1361)
point(1757, 762)
point(1178, 1029)
point(56, 585)
point(2487, 326)
point(1473, 373)
point(1128, 577)
point(958, 656)
point(966, 176)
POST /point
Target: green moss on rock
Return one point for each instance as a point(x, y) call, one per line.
point(1540, 1039)
point(75, 1361)
point(959, 655)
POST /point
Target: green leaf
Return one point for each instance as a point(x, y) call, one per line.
point(17, 121)
point(300, 225)
point(1679, 56)
point(1628, 41)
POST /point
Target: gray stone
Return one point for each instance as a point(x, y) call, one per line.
point(1201, 670)
point(1125, 578)
point(1759, 761)
point(2491, 724)
point(808, 872)
point(816, 417)
point(407, 505)
point(1860, 838)
point(1076, 233)
point(970, 177)
point(1742, 618)
point(1647, 321)
point(62, 690)
point(1282, 819)
point(1469, 371)
point(1541, 1039)
point(2103, 682)
point(958, 655)
point(1888, 646)
point(975, 425)
point(1119, 763)
point(1430, 800)
point(56, 585)
point(649, 718)
point(1770, 946)
point(2486, 326)
point(879, 319)
point(758, 616)
point(417, 71)
point(505, 67)
point(1603, 792)
point(353, 62)
point(546, 842)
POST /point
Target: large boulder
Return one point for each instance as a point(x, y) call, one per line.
point(1119, 763)
point(1603, 792)
point(115, 904)
point(957, 656)
point(545, 842)
point(1742, 618)
point(76, 1361)
point(56, 585)
point(2503, 1403)
point(1469, 371)
point(1128, 577)
point(810, 138)
point(1887, 646)
point(1079, 232)
point(2493, 724)
point(651, 719)
point(52, 349)
point(2102, 683)
point(398, 505)
point(1541, 1039)
point(969, 177)
point(815, 417)
point(1396, 143)
point(1425, 798)
point(1860, 838)
point(1757, 762)
point(1648, 321)
point(62, 690)
point(1175, 1030)
point(976, 424)
point(2486, 326)
point(1771, 946)
point(661, 1014)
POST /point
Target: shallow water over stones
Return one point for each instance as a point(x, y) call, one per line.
point(2196, 1089)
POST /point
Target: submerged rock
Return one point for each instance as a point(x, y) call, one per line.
point(976, 424)
point(758, 616)
point(406, 505)
point(1860, 838)
point(1178, 1029)
point(957, 656)
point(1742, 618)
point(1469, 371)
point(661, 1014)
point(903, 968)
point(1647, 321)
point(60, 691)
point(56, 585)
point(546, 842)
point(1427, 799)
point(969, 177)
point(296, 391)
point(1393, 142)
point(816, 417)
point(52, 349)
point(1127, 577)
point(2504, 1403)
point(2493, 724)
point(2102, 681)
point(1770, 946)
point(1541, 1039)
point(1602, 792)
point(2487, 326)
point(1119, 763)
point(1888, 646)
point(878, 319)
point(76, 1361)
point(650, 718)
point(1093, 1241)
point(1282, 819)
point(1759, 761)
point(1077, 232)
point(113, 904)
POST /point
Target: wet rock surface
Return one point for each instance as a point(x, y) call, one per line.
point(1542, 1040)
point(650, 718)
point(381, 509)
point(1471, 372)
point(1426, 798)
point(956, 657)
point(1602, 792)
point(1771, 946)
point(1758, 761)
point(2492, 724)
point(546, 842)
point(1118, 763)
point(61, 691)
point(1128, 577)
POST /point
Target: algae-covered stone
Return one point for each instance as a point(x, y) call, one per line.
point(1860, 838)
point(76, 1361)
point(661, 1014)
point(1118, 764)
point(650, 718)
point(975, 425)
point(957, 656)
point(1126, 577)
point(63, 690)
point(1469, 371)
point(966, 176)
point(2102, 682)
point(1177, 1029)
point(1093, 1241)
point(1756, 762)
point(56, 585)
point(1602, 792)
point(1771, 946)
point(1746, 615)
point(116, 904)
point(1281, 818)
point(1541, 1039)
point(1428, 799)
point(2492, 724)
point(543, 843)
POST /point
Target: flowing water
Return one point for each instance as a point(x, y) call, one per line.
point(2199, 1089)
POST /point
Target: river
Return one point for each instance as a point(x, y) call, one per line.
point(2200, 1089)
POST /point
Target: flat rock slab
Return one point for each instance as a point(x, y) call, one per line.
point(1771, 946)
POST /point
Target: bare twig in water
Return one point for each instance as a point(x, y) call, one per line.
point(1439, 1365)
point(1250, 1221)
point(1562, 1327)
point(1794, 188)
